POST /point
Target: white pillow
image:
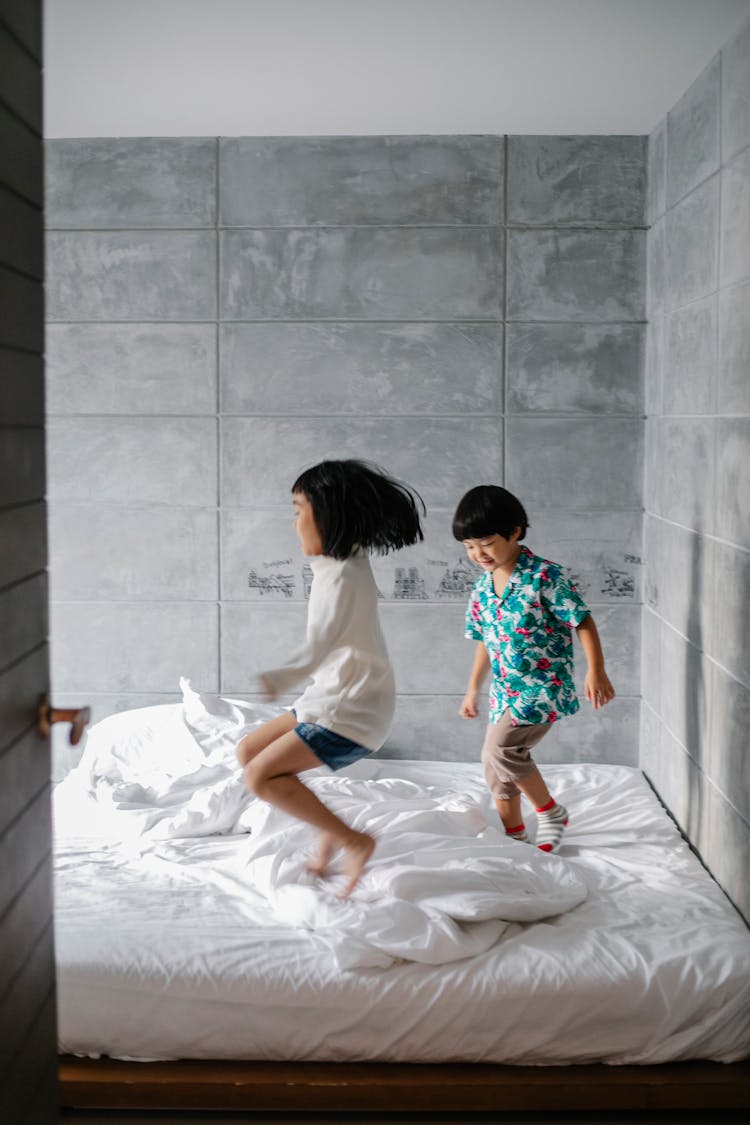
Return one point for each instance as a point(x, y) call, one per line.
point(130, 744)
point(217, 723)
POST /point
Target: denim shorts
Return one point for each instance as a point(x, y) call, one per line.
point(334, 750)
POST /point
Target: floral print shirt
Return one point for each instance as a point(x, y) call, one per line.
point(527, 634)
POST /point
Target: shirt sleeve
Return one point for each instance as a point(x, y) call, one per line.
point(327, 615)
point(561, 597)
point(473, 630)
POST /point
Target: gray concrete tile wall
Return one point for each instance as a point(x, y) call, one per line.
point(692, 247)
point(689, 357)
point(576, 181)
point(656, 173)
point(734, 350)
point(337, 297)
point(134, 646)
point(131, 275)
point(735, 220)
point(131, 369)
point(154, 460)
point(361, 181)
point(695, 666)
point(440, 457)
point(361, 369)
point(735, 94)
point(575, 368)
point(153, 553)
point(355, 273)
point(593, 463)
point(129, 183)
point(693, 133)
point(583, 275)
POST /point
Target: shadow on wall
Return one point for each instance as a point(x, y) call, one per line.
point(695, 696)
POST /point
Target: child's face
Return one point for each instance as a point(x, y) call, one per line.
point(493, 551)
point(305, 526)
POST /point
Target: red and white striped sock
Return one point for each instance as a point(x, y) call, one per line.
point(518, 833)
point(551, 821)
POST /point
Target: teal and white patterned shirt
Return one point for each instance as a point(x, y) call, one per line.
point(527, 634)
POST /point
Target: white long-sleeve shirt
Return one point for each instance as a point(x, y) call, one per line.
point(353, 691)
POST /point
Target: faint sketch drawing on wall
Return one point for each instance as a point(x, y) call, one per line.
point(408, 584)
point(618, 583)
point(271, 583)
point(457, 581)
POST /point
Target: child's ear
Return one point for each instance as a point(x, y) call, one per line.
point(515, 535)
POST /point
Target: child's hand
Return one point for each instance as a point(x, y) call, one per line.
point(599, 690)
point(468, 709)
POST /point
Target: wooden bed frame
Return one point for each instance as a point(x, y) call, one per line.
point(400, 1087)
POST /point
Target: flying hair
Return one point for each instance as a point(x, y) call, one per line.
point(357, 504)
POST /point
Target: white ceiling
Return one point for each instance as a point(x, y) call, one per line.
point(333, 67)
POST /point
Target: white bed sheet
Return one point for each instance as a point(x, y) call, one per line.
point(165, 951)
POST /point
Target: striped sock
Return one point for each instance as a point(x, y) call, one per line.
point(518, 833)
point(551, 821)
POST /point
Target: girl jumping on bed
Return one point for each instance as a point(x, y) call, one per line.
point(342, 510)
point(521, 612)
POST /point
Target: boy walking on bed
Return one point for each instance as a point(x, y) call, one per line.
point(521, 612)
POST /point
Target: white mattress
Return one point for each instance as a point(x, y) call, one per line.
point(166, 949)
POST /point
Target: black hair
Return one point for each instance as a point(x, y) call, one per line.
point(356, 503)
point(489, 510)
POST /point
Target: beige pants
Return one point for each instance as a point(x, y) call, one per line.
point(506, 755)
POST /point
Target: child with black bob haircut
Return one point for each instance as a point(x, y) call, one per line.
point(343, 509)
point(521, 612)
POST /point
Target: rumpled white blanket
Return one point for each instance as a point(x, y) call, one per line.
point(442, 884)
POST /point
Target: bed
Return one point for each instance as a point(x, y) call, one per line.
point(199, 964)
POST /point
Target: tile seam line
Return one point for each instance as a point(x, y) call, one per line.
point(714, 661)
point(310, 228)
point(548, 415)
point(591, 227)
point(274, 603)
point(703, 534)
point(504, 373)
point(706, 179)
point(451, 321)
point(724, 163)
point(277, 508)
point(218, 405)
point(720, 320)
point(698, 765)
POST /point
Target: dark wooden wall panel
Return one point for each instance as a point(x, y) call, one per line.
point(28, 1088)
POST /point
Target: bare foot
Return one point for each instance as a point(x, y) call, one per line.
point(358, 851)
point(326, 848)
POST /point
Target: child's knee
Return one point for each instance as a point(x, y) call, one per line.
point(255, 778)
